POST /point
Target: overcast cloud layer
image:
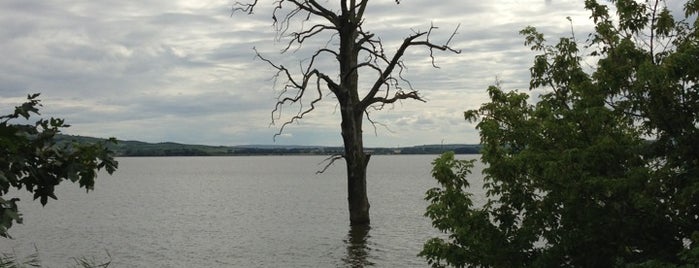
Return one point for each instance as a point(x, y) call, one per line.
point(185, 71)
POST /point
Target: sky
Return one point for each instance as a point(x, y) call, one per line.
point(185, 71)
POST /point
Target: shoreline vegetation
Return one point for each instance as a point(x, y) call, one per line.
point(138, 148)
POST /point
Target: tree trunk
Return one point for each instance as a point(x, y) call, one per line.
point(357, 162)
point(352, 117)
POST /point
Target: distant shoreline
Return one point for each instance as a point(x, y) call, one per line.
point(138, 148)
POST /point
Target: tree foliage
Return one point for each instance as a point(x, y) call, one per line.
point(602, 170)
point(31, 159)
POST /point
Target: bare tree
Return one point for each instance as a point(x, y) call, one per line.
point(358, 51)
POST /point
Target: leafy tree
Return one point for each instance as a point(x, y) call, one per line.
point(30, 158)
point(349, 50)
point(602, 170)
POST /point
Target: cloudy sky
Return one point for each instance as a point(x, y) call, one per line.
point(185, 71)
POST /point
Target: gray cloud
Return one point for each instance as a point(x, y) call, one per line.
point(185, 71)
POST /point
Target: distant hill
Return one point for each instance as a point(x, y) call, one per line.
point(138, 148)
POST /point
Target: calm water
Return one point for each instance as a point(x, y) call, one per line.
point(270, 211)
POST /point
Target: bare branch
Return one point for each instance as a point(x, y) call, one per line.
point(309, 6)
point(298, 8)
point(301, 88)
point(343, 6)
point(331, 160)
point(334, 87)
point(243, 7)
point(432, 46)
point(652, 29)
point(400, 95)
point(302, 112)
point(361, 7)
point(300, 37)
point(408, 42)
point(323, 12)
point(374, 123)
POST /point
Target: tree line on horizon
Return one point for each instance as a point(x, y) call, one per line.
point(138, 148)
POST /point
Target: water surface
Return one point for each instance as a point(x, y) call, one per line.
point(257, 211)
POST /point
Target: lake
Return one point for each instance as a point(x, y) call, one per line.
point(254, 211)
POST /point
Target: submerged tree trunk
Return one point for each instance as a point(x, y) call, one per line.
point(357, 162)
point(352, 117)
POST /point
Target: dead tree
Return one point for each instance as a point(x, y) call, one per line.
point(358, 51)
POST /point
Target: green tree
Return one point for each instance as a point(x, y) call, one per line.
point(30, 158)
point(349, 50)
point(602, 170)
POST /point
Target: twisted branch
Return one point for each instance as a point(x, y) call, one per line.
point(385, 77)
point(331, 160)
point(301, 86)
point(388, 70)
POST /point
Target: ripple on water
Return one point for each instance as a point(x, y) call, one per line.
point(232, 212)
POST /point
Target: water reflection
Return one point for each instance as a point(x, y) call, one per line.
point(357, 247)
